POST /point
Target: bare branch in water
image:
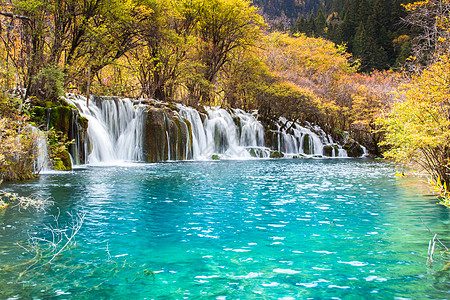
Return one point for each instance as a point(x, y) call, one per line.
point(76, 226)
point(46, 250)
point(433, 234)
point(431, 246)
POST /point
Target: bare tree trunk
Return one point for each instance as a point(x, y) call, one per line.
point(88, 89)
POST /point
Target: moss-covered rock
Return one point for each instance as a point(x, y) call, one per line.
point(221, 142)
point(329, 150)
point(166, 136)
point(353, 149)
point(306, 144)
point(271, 138)
point(66, 121)
point(63, 163)
point(237, 122)
point(215, 157)
point(276, 154)
point(190, 147)
point(155, 144)
point(59, 117)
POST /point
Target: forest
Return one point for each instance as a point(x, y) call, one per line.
point(380, 74)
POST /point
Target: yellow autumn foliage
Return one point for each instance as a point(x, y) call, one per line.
point(17, 140)
point(418, 125)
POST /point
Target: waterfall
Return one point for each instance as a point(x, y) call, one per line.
point(41, 160)
point(115, 129)
point(148, 130)
point(232, 133)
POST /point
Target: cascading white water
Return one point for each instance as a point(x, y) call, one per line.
point(237, 134)
point(199, 140)
point(41, 161)
point(294, 139)
point(230, 134)
point(115, 130)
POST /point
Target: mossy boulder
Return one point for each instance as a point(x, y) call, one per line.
point(63, 162)
point(38, 115)
point(59, 118)
point(276, 154)
point(271, 138)
point(329, 150)
point(353, 149)
point(306, 144)
point(257, 152)
point(221, 143)
point(215, 157)
point(167, 136)
point(155, 144)
point(237, 122)
point(190, 151)
point(65, 120)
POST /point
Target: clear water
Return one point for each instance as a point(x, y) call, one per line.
point(259, 229)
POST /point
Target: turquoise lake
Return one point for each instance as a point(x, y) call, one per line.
point(254, 229)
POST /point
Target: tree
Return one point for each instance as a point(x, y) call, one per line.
point(165, 41)
point(76, 37)
point(222, 26)
point(431, 20)
point(321, 24)
point(417, 127)
point(17, 142)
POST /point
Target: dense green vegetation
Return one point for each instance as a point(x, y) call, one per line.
point(372, 30)
point(281, 14)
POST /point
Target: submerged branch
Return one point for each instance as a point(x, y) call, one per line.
point(434, 234)
point(76, 226)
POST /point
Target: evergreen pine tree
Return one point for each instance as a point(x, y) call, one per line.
point(320, 23)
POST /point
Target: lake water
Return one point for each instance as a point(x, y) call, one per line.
point(256, 229)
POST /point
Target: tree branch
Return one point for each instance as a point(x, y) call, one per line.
point(11, 15)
